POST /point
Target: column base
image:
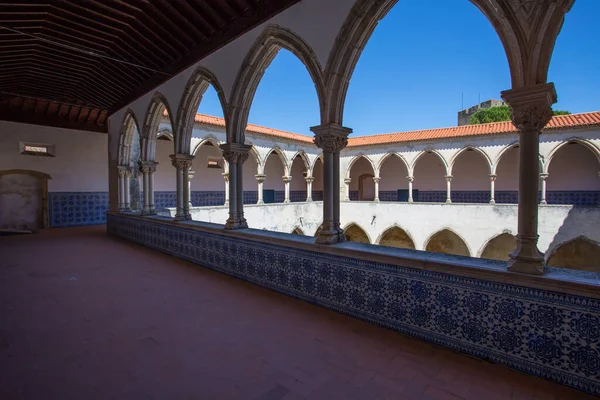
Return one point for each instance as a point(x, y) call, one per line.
point(226, 204)
point(330, 235)
point(309, 200)
point(492, 201)
point(286, 201)
point(526, 259)
point(188, 216)
point(126, 210)
point(180, 216)
point(448, 201)
point(237, 222)
point(411, 201)
point(260, 202)
point(146, 211)
point(543, 202)
point(376, 200)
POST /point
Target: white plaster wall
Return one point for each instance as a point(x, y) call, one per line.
point(249, 174)
point(476, 224)
point(298, 182)
point(274, 172)
point(573, 167)
point(393, 174)
point(359, 168)
point(80, 165)
point(470, 172)
point(507, 170)
point(318, 175)
point(207, 179)
point(429, 173)
point(165, 178)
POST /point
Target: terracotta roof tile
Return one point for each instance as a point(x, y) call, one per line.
point(558, 122)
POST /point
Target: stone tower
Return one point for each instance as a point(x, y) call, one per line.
point(465, 115)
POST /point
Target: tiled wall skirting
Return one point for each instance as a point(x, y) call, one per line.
point(549, 334)
point(77, 208)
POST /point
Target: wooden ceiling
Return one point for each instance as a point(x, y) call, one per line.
point(71, 63)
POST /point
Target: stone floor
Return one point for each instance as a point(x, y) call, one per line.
point(87, 316)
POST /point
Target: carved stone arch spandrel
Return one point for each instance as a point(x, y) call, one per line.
point(258, 59)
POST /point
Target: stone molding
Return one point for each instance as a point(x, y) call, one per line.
point(148, 167)
point(182, 161)
point(260, 178)
point(331, 138)
point(531, 107)
point(236, 153)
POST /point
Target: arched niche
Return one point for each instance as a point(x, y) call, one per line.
point(573, 176)
point(250, 170)
point(208, 184)
point(471, 177)
point(447, 242)
point(317, 186)
point(429, 174)
point(362, 186)
point(298, 172)
point(500, 247)
point(397, 237)
point(580, 253)
point(275, 171)
point(355, 233)
point(393, 172)
point(507, 176)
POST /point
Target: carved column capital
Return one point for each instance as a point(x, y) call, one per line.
point(122, 170)
point(260, 178)
point(182, 161)
point(309, 179)
point(347, 181)
point(235, 153)
point(191, 174)
point(376, 179)
point(448, 178)
point(286, 179)
point(544, 176)
point(331, 138)
point(148, 167)
point(531, 107)
point(410, 178)
point(225, 176)
point(493, 177)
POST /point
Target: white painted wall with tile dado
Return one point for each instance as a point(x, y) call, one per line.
point(80, 163)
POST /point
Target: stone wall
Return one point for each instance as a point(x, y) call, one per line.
point(465, 115)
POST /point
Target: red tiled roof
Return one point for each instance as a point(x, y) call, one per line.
point(558, 122)
point(216, 121)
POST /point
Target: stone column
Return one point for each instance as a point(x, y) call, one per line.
point(309, 181)
point(261, 180)
point(226, 178)
point(448, 189)
point(543, 178)
point(121, 170)
point(125, 174)
point(148, 168)
point(286, 181)
point(492, 188)
point(410, 193)
point(376, 179)
point(190, 178)
point(332, 139)
point(530, 112)
point(182, 163)
point(347, 182)
point(236, 154)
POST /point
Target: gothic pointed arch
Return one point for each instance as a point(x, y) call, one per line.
point(446, 241)
point(423, 153)
point(584, 142)
point(208, 139)
point(580, 253)
point(499, 247)
point(284, 161)
point(258, 59)
point(354, 233)
point(304, 157)
point(387, 157)
point(355, 159)
point(487, 158)
point(519, 25)
point(189, 103)
point(128, 128)
point(157, 108)
point(502, 152)
point(395, 236)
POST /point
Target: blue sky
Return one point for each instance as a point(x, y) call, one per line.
point(424, 58)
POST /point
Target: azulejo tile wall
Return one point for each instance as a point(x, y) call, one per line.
point(77, 208)
point(549, 334)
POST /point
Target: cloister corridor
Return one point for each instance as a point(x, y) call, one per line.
point(88, 316)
